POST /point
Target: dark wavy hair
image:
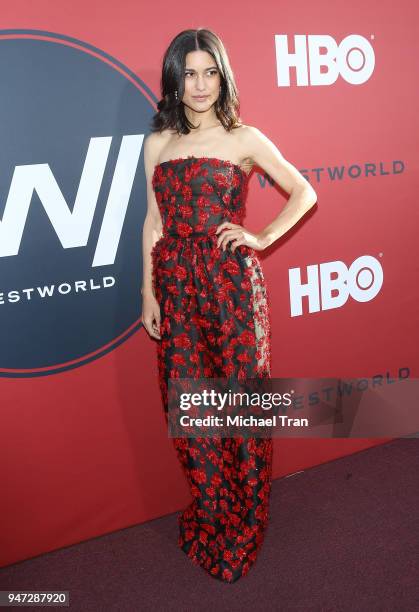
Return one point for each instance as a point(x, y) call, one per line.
point(171, 112)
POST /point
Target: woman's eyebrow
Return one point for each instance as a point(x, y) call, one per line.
point(210, 68)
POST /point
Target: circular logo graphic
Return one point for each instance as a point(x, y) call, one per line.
point(73, 199)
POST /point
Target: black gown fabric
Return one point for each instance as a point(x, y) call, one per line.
point(214, 308)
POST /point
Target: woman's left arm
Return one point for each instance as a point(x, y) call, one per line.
point(302, 195)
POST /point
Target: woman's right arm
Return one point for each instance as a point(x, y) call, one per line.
point(152, 231)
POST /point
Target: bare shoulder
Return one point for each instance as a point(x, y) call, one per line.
point(258, 147)
point(153, 145)
point(242, 136)
point(265, 154)
point(252, 138)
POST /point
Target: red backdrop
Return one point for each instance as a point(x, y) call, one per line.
point(85, 452)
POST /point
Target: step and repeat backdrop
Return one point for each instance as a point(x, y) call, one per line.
point(84, 447)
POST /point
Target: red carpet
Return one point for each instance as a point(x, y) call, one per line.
point(343, 537)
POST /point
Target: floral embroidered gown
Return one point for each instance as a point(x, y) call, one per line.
point(214, 310)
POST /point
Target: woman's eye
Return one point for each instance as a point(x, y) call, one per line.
point(211, 72)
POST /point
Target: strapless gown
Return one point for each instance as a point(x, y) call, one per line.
point(214, 308)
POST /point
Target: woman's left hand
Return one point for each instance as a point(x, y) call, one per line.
point(239, 235)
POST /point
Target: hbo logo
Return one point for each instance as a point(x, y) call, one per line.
point(353, 59)
point(362, 281)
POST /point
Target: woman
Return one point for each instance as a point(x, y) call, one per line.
point(204, 295)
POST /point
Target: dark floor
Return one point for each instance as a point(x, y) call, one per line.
point(343, 536)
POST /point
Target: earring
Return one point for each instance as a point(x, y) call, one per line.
point(176, 94)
